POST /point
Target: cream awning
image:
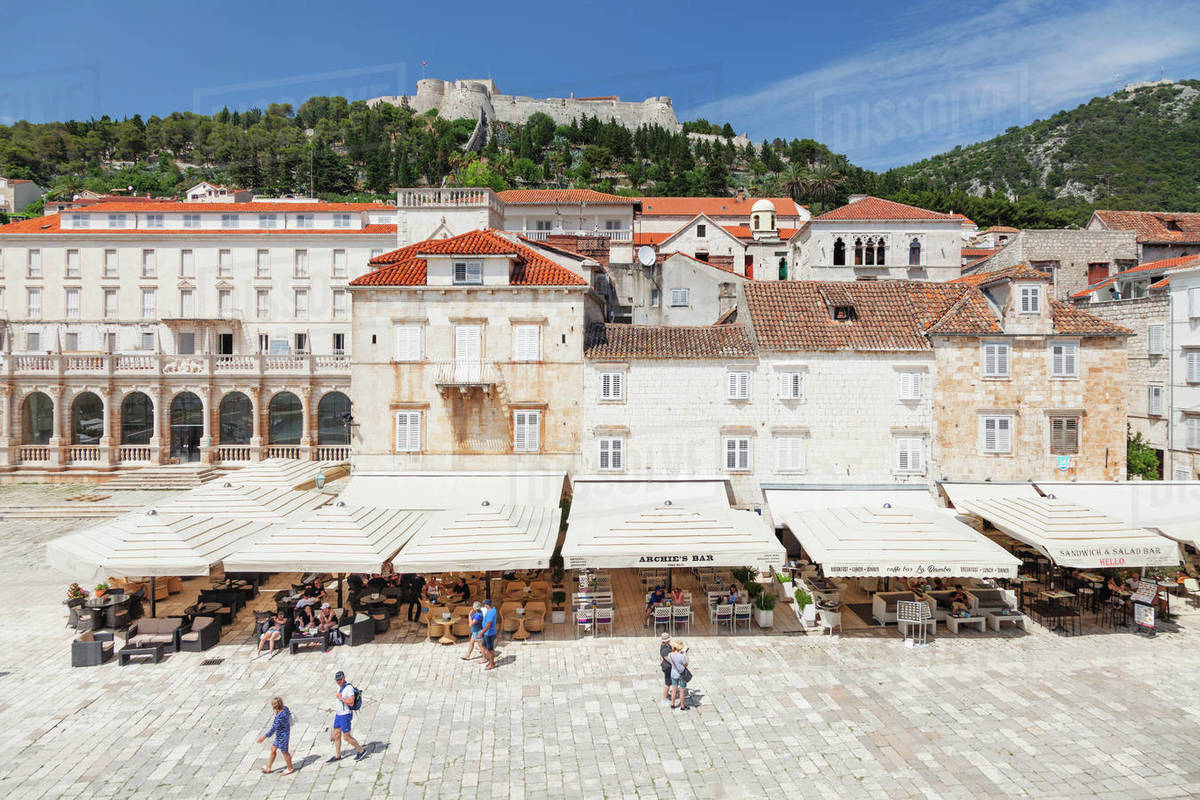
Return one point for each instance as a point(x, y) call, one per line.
point(443, 490)
point(485, 537)
point(682, 523)
point(335, 538)
point(225, 499)
point(287, 473)
point(1169, 507)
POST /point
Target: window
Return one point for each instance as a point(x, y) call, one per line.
point(146, 341)
point(1154, 402)
point(154, 220)
point(72, 264)
point(187, 264)
point(33, 342)
point(408, 431)
point(225, 263)
point(340, 304)
point(229, 221)
point(737, 453)
point(613, 225)
point(81, 221)
point(995, 360)
point(262, 303)
point(1045, 267)
point(300, 342)
point(110, 263)
point(187, 303)
point(1031, 299)
point(34, 303)
point(525, 342)
point(791, 386)
point(997, 434)
point(914, 253)
point(71, 342)
point(1193, 366)
point(376, 252)
point(1064, 436)
point(300, 304)
point(737, 385)
point(839, 252)
point(149, 264)
point(339, 263)
point(224, 303)
point(527, 431)
point(266, 221)
point(1193, 303)
point(110, 303)
point(543, 225)
point(701, 231)
point(655, 298)
point(408, 342)
point(681, 298)
point(1183, 474)
point(468, 272)
point(910, 454)
point(1193, 432)
point(191, 220)
point(1064, 360)
point(1096, 272)
point(116, 220)
point(1155, 339)
point(339, 344)
point(612, 385)
point(149, 304)
point(34, 263)
point(304, 220)
point(262, 264)
point(341, 220)
point(789, 453)
point(300, 264)
point(612, 454)
point(910, 386)
point(187, 344)
point(72, 304)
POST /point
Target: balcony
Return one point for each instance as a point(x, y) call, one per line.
point(465, 374)
point(152, 364)
point(450, 198)
point(612, 236)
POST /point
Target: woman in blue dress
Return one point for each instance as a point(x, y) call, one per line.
point(281, 728)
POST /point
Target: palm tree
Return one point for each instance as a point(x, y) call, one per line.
point(794, 181)
point(823, 183)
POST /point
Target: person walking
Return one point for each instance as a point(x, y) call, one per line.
point(415, 595)
point(487, 634)
point(281, 729)
point(476, 621)
point(679, 671)
point(664, 650)
point(341, 720)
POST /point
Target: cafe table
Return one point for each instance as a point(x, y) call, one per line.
point(521, 633)
point(1169, 586)
point(1055, 596)
point(105, 601)
point(447, 624)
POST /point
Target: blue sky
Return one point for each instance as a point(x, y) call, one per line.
point(884, 82)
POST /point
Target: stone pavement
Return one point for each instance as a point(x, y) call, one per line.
point(1105, 715)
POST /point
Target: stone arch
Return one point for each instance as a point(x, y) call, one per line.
point(236, 415)
point(914, 252)
point(839, 252)
point(137, 418)
point(285, 419)
point(37, 418)
point(187, 426)
point(87, 418)
point(332, 412)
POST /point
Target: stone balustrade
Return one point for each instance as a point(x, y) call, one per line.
point(152, 364)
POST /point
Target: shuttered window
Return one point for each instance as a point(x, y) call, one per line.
point(612, 385)
point(408, 431)
point(791, 386)
point(527, 431)
point(910, 454)
point(1065, 360)
point(789, 453)
point(997, 434)
point(910, 386)
point(1064, 436)
point(1154, 402)
point(1155, 339)
point(468, 272)
point(995, 360)
point(1193, 433)
point(738, 385)
point(408, 342)
point(737, 453)
point(1193, 366)
point(526, 339)
point(1031, 299)
point(1194, 303)
point(612, 454)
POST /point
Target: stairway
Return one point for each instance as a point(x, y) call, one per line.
point(180, 476)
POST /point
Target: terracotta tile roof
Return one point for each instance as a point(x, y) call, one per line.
point(744, 232)
point(724, 267)
point(1002, 229)
point(1017, 272)
point(887, 315)
point(544, 196)
point(1167, 227)
point(406, 267)
point(712, 206)
point(979, 252)
point(52, 224)
point(1164, 283)
point(876, 208)
point(1149, 266)
point(650, 239)
point(661, 341)
point(1071, 319)
point(966, 220)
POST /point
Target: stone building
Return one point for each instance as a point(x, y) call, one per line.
point(1160, 234)
point(1073, 259)
point(1027, 386)
point(138, 332)
point(1183, 401)
point(874, 239)
point(17, 193)
point(469, 355)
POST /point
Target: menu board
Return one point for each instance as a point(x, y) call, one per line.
point(912, 611)
point(1145, 592)
point(1143, 615)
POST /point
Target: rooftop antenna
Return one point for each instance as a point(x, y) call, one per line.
point(645, 256)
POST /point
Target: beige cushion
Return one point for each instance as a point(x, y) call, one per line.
point(106, 645)
point(85, 637)
point(190, 637)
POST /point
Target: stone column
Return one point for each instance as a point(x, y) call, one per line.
point(256, 439)
point(107, 458)
point(57, 454)
point(8, 439)
point(160, 417)
point(306, 406)
point(205, 396)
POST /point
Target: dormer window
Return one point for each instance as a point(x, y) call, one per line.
point(80, 221)
point(1031, 299)
point(843, 313)
point(229, 221)
point(701, 231)
point(116, 220)
point(468, 272)
point(1173, 225)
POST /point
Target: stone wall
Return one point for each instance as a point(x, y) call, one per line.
point(1069, 252)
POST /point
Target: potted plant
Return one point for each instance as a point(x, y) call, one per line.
point(557, 576)
point(764, 609)
point(806, 610)
point(753, 588)
point(558, 611)
point(76, 592)
point(101, 588)
point(785, 582)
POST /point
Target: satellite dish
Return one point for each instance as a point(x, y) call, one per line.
point(646, 256)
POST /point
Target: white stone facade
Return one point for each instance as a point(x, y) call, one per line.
point(912, 250)
point(16, 194)
point(1184, 376)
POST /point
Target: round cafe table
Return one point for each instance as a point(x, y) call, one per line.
point(447, 626)
point(520, 633)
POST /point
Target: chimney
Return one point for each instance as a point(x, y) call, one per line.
point(854, 198)
point(741, 196)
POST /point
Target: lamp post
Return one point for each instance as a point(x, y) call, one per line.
point(320, 479)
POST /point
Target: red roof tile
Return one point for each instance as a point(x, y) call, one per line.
point(543, 196)
point(1071, 319)
point(52, 224)
point(979, 252)
point(744, 232)
point(661, 341)
point(876, 208)
point(650, 239)
point(1167, 227)
point(1149, 266)
point(712, 206)
point(1002, 229)
point(1017, 272)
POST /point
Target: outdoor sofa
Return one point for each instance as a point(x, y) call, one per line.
point(984, 600)
point(149, 630)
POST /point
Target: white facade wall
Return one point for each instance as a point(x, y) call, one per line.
point(941, 250)
point(1184, 394)
point(716, 242)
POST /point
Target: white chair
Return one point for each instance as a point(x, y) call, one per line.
point(604, 616)
point(723, 616)
point(662, 616)
point(741, 613)
point(1192, 589)
point(681, 615)
point(830, 620)
point(585, 618)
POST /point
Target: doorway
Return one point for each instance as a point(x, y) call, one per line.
point(187, 427)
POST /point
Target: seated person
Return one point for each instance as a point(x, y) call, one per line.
point(939, 585)
point(677, 597)
point(326, 619)
point(735, 596)
point(657, 598)
point(959, 602)
point(305, 619)
point(315, 590)
point(273, 633)
point(460, 592)
point(355, 583)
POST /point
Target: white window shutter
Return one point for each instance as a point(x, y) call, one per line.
point(789, 454)
point(618, 385)
point(408, 342)
point(1003, 434)
point(1154, 404)
point(525, 342)
point(1155, 340)
point(408, 431)
point(1002, 359)
point(989, 359)
point(1194, 303)
point(901, 455)
point(605, 453)
point(1193, 433)
point(1193, 367)
point(791, 385)
point(606, 386)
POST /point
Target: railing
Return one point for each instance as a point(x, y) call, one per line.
point(483, 444)
point(335, 363)
point(33, 453)
point(333, 452)
point(231, 363)
point(78, 453)
point(234, 452)
point(84, 363)
point(135, 363)
point(290, 363)
point(167, 364)
point(35, 363)
point(130, 453)
point(465, 373)
point(615, 236)
point(284, 451)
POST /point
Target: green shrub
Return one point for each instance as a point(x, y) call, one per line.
point(765, 601)
point(753, 588)
point(803, 599)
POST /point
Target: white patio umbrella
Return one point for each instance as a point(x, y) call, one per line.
point(289, 473)
point(485, 538)
point(226, 499)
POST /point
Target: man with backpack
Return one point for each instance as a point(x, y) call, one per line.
point(349, 700)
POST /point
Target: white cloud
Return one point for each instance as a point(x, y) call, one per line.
point(968, 78)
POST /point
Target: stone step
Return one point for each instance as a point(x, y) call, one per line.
point(182, 476)
point(68, 510)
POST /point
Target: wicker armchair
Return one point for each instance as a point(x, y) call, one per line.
point(508, 617)
point(91, 649)
point(535, 616)
point(204, 634)
point(358, 631)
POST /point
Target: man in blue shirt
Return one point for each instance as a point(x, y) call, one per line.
point(491, 627)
